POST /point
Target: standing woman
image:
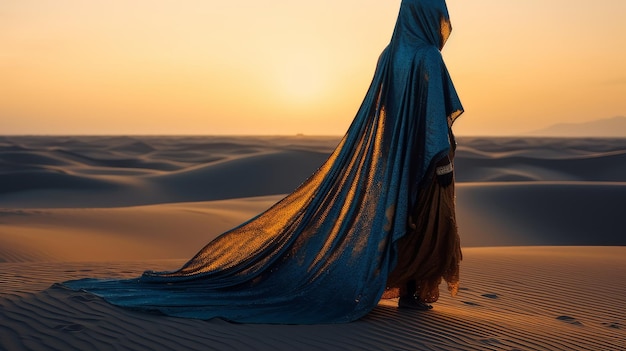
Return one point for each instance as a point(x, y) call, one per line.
point(376, 218)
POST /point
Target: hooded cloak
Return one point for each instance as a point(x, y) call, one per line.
point(324, 253)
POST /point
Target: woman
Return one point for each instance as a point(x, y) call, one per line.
point(376, 218)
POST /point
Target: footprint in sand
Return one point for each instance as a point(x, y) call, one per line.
point(70, 327)
point(614, 325)
point(570, 320)
point(490, 296)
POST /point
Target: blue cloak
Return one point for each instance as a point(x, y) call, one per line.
point(323, 253)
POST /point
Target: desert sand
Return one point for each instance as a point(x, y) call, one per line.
point(541, 221)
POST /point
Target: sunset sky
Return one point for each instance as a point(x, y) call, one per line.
point(293, 66)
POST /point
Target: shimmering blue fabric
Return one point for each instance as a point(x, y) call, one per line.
point(323, 253)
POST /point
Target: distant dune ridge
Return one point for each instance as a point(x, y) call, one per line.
point(124, 171)
point(529, 210)
point(526, 187)
point(603, 128)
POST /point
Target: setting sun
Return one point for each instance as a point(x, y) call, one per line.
point(285, 67)
point(250, 174)
point(301, 80)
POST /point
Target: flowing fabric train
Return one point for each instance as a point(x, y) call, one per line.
point(323, 254)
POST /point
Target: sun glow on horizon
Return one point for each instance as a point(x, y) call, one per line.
point(302, 79)
point(287, 67)
point(299, 85)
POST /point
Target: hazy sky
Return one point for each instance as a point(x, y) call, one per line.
point(293, 66)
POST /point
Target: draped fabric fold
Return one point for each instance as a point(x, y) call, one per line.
point(324, 253)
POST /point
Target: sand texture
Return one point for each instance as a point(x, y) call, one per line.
point(542, 225)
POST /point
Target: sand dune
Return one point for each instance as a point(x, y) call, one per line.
point(113, 234)
point(542, 213)
point(264, 174)
point(541, 159)
point(126, 171)
point(510, 299)
point(489, 214)
point(74, 207)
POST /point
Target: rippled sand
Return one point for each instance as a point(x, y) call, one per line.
point(541, 222)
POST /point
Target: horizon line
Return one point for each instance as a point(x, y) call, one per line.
point(463, 135)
